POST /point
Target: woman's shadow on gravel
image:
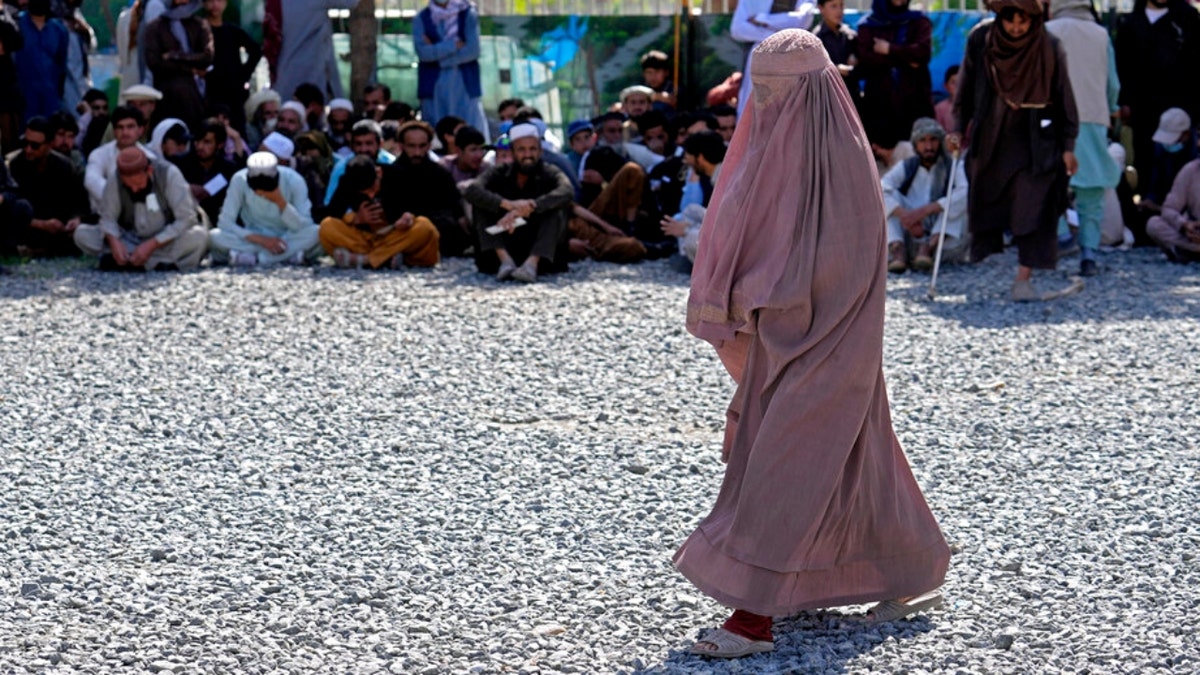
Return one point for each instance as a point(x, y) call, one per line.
point(810, 642)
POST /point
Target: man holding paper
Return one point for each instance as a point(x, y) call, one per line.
point(521, 212)
point(206, 169)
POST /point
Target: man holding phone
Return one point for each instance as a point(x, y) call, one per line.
point(276, 226)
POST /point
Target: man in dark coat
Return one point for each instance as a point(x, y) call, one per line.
point(1158, 58)
point(179, 50)
point(895, 45)
point(417, 185)
point(521, 212)
point(48, 182)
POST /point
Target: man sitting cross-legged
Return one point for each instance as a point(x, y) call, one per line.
point(914, 196)
point(1177, 230)
point(528, 189)
point(271, 203)
point(362, 234)
point(419, 186)
point(148, 219)
point(54, 192)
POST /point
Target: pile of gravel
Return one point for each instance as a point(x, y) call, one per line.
point(312, 470)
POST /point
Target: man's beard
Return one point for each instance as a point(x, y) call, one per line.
point(528, 168)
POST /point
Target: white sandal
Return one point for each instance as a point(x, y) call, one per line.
point(894, 610)
point(730, 645)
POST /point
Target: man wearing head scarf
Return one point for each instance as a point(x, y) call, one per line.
point(266, 218)
point(1015, 91)
point(914, 198)
point(895, 44)
point(446, 39)
point(179, 50)
point(520, 212)
point(1158, 57)
point(818, 507)
point(757, 20)
point(148, 219)
point(1092, 70)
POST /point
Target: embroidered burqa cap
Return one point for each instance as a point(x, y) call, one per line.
point(818, 507)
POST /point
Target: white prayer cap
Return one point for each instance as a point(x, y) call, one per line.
point(296, 107)
point(141, 92)
point(262, 164)
point(280, 145)
point(523, 130)
point(637, 89)
point(341, 104)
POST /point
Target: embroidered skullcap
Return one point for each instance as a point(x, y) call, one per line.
point(132, 161)
point(637, 89)
point(296, 107)
point(341, 104)
point(525, 130)
point(281, 146)
point(141, 92)
point(262, 164)
point(925, 127)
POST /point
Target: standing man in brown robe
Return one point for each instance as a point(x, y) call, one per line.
point(1015, 92)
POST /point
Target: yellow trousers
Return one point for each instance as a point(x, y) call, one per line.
point(418, 244)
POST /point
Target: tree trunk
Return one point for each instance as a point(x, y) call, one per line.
point(363, 31)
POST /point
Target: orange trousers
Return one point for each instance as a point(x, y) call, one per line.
point(418, 244)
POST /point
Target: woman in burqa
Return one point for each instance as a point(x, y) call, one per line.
point(1014, 98)
point(818, 507)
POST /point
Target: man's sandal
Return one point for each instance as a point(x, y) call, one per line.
point(730, 645)
point(894, 610)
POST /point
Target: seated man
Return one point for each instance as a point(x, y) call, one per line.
point(417, 185)
point(362, 235)
point(703, 153)
point(528, 189)
point(48, 182)
point(468, 163)
point(1177, 229)
point(581, 136)
point(64, 131)
point(15, 214)
point(366, 139)
point(652, 132)
point(914, 196)
point(148, 219)
point(128, 126)
point(610, 130)
point(207, 170)
point(271, 203)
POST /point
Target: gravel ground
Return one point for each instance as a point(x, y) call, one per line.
point(317, 471)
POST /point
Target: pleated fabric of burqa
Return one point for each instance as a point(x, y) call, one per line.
point(818, 507)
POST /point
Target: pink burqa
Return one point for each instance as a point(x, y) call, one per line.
point(818, 507)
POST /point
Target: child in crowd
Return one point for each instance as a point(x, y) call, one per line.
point(656, 67)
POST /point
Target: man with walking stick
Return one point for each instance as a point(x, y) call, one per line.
point(922, 202)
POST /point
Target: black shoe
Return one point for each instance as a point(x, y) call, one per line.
point(166, 267)
point(1088, 268)
point(108, 263)
point(660, 249)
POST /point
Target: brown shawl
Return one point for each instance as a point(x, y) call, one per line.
point(1021, 69)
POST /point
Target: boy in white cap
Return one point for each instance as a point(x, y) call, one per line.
point(271, 201)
